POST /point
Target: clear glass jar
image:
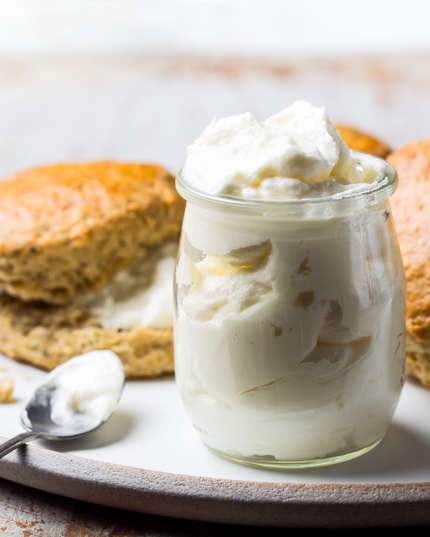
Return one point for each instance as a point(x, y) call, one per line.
point(290, 325)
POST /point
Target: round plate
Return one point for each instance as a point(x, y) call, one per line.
point(148, 458)
point(220, 500)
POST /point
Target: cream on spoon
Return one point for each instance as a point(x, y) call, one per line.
point(76, 398)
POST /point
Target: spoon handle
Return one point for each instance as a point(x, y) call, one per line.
point(16, 441)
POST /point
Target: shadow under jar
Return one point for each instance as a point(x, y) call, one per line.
point(290, 324)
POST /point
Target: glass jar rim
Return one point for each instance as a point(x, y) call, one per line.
point(313, 207)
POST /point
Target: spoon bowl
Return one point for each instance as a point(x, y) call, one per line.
point(55, 411)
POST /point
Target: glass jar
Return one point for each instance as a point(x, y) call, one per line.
point(290, 324)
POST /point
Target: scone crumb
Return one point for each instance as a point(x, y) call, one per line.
point(25, 375)
point(6, 390)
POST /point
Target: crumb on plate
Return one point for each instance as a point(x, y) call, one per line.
point(6, 390)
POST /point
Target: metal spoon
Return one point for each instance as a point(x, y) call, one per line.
point(37, 416)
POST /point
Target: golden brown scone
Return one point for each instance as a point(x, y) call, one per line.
point(48, 335)
point(360, 141)
point(411, 210)
point(68, 228)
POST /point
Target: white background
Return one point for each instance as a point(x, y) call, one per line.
point(273, 29)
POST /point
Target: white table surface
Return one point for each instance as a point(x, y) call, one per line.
point(150, 110)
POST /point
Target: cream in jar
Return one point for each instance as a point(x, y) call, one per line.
point(289, 332)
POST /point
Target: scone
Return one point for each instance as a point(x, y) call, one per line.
point(411, 210)
point(67, 229)
point(86, 261)
point(360, 141)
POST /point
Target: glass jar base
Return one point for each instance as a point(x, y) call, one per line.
point(274, 464)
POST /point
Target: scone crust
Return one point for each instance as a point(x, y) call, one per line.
point(418, 359)
point(360, 141)
point(411, 210)
point(48, 335)
point(68, 228)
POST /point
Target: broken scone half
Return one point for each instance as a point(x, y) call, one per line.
point(411, 210)
point(87, 253)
